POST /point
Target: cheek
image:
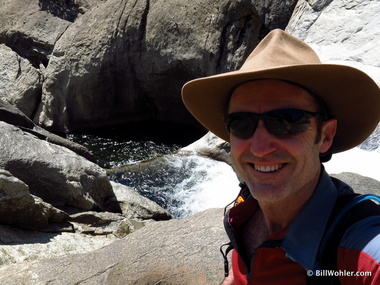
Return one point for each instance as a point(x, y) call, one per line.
point(308, 150)
point(301, 148)
point(237, 146)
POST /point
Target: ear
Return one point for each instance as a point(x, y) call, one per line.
point(327, 136)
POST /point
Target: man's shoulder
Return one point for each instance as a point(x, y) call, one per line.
point(364, 236)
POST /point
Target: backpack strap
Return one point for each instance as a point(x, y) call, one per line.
point(224, 254)
point(348, 210)
point(244, 194)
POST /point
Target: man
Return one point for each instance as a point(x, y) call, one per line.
point(284, 112)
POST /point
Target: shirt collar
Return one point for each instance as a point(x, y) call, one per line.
point(302, 240)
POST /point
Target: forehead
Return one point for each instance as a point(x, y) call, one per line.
point(269, 94)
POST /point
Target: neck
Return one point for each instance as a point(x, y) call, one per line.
point(280, 214)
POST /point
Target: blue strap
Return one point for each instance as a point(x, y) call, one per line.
point(347, 208)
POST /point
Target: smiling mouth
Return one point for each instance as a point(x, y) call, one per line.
point(269, 168)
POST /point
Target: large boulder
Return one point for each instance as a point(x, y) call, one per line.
point(173, 252)
point(141, 58)
point(19, 208)
point(343, 32)
point(12, 115)
point(117, 61)
point(31, 29)
point(360, 184)
point(32, 229)
point(28, 33)
point(19, 245)
point(210, 146)
point(20, 83)
point(55, 173)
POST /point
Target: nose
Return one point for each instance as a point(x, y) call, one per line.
point(262, 142)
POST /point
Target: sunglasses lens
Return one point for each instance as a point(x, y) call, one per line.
point(287, 122)
point(241, 125)
point(278, 122)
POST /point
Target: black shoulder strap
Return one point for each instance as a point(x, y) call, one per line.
point(348, 210)
point(244, 194)
point(225, 258)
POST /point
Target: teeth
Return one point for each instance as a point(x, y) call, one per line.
point(268, 168)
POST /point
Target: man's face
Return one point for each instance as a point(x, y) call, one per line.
point(277, 168)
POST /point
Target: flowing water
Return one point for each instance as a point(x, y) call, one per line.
point(185, 185)
point(182, 184)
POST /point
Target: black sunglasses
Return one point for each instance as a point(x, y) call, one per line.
point(280, 122)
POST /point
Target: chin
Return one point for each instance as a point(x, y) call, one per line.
point(268, 193)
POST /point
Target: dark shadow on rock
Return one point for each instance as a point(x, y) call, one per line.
point(65, 9)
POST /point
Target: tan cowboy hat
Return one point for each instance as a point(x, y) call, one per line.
point(350, 95)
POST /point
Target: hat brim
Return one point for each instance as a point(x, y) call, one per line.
point(350, 95)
